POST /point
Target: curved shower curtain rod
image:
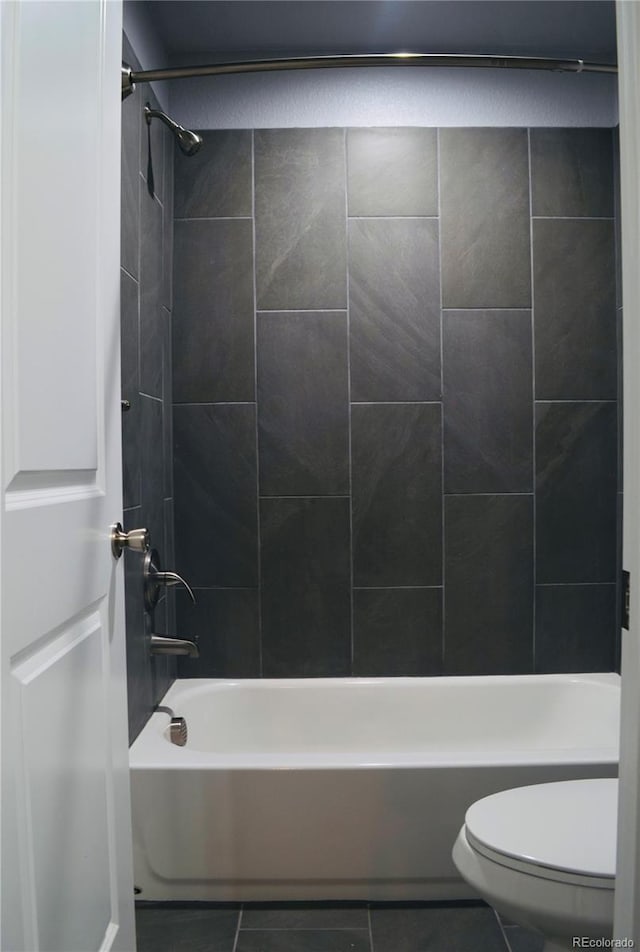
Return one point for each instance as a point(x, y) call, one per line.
point(341, 60)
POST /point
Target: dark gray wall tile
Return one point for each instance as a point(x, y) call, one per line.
point(130, 171)
point(130, 390)
point(215, 495)
point(213, 318)
point(306, 605)
point(305, 915)
point(308, 940)
point(153, 133)
point(226, 625)
point(152, 467)
point(138, 658)
point(576, 463)
point(167, 220)
point(575, 628)
point(303, 403)
point(459, 928)
point(572, 172)
point(484, 198)
point(168, 561)
point(216, 182)
point(397, 632)
point(488, 584)
point(167, 403)
point(574, 316)
point(394, 299)
point(488, 401)
point(392, 171)
point(150, 295)
point(186, 930)
point(397, 494)
point(300, 208)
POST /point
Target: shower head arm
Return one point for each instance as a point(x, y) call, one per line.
point(188, 142)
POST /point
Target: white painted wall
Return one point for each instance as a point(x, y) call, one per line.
point(408, 96)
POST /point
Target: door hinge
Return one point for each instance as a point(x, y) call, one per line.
point(626, 595)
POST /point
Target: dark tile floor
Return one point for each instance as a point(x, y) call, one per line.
point(328, 927)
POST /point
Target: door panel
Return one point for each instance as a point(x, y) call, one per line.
point(67, 858)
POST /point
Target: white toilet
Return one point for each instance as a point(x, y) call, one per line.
point(545, 857)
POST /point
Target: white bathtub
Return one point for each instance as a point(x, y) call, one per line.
point(348, 788)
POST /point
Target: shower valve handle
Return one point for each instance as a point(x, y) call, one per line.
point(154, 578)
point(172, 578)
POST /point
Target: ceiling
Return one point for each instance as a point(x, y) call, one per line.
point(565, 28)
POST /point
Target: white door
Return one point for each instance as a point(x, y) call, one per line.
point(627, 907)
point(66, 840)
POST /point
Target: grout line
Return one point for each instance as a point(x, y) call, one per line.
point(395, 588)
point(150, 396)
point(303, 310)
point(392, 217)
point(454, 310)
point(352, 646)
point(463, 495)
point(220, 403)
point(255, 395)
point(396, 403)
point(571, 584)
point(235, 941)
point(504, 934)
point(129, 275)
point(370, 928)
point(317, 496)
point(575, 401)
point(571, 218)
point(534, 552)
point(442, 472)
point(219, 218)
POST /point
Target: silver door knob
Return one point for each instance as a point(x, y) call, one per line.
point(136, 539)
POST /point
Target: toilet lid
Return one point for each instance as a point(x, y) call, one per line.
point(568, 826)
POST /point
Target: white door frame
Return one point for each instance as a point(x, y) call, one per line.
point(627, 898)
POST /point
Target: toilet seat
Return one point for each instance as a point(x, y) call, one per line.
point(547, 831)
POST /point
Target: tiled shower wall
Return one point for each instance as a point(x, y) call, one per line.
point(395, 401)
point(146, 253)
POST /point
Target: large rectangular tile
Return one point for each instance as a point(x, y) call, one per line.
point(449, 928)
point(138, 658)
point(397, 494)
point(303, 403)
point(225, 623)
point(488, 401)
point(488, 584)
point(215, 495)
point(397, 632)
point(300, 211)
point(394, 299)
point(309, 940)
point(305, 915)
point(167, 220)
point(306, 605)
point(213, 317)
point(151, 291)
point(130, 175)
point(575, 628)
point(189, 929)
point(572, 172)
point(576, 464)
point(575, 310)
point(167, 402)
point(152, 467)
point(130, 380)
point(392, 171)
point(484, 199)
point(216, 182)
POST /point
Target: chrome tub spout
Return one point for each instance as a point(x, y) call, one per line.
point(162, 645)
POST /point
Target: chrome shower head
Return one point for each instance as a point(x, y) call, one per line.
point(188, 142)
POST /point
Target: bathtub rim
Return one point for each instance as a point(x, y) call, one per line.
point(152, 751)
